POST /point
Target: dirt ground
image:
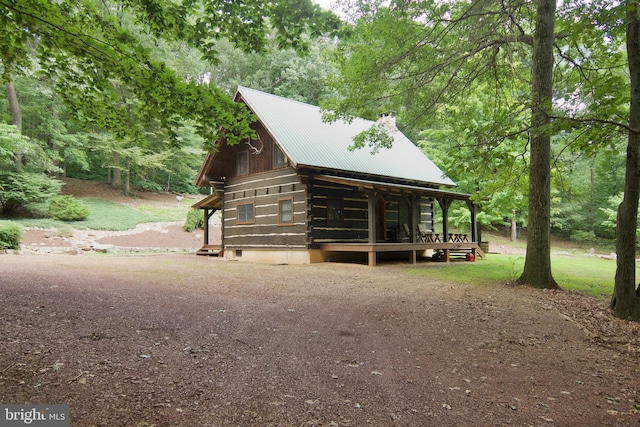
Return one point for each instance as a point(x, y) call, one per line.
point(181, 340)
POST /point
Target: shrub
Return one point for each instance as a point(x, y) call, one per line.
point(583, 236)
point(10, 235)
point(149, 185)
point(67, 208)
point(22, 190)
point(195, 219)
point(185, 188)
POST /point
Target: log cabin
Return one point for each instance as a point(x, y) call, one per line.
point(298, 194)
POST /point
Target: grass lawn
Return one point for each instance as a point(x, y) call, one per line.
point(586, 274)
point(106, 215)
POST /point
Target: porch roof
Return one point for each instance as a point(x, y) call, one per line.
point(393, 187)
point(210, 202)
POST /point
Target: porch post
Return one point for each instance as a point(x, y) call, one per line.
point(415, 217)
point(474, 224)
point(372, 200)
point(206, 226)
point(444, 205)
point(222, 227)
point(371, 216)
point(371, 223)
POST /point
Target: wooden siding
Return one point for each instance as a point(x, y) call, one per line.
point(265, 190)
point(354, 227)
point(261, 156)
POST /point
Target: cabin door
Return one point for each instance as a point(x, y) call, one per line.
point(381, 229)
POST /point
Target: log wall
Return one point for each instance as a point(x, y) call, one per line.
point(354, 225)
point(264, 191)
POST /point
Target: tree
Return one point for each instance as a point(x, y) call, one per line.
point(537, 266)
point(81, 46)
point(604, 84)
point(16, 115)
point(46, 120)
point(412, 57)
point(24, 188)
point(582, 186)
point(279, 71)
point(626, 294)
point(459, 138)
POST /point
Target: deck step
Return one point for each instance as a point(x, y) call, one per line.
point(210, 250)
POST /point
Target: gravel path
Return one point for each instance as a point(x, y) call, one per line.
point(182, 340)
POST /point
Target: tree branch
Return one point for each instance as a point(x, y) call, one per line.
point(591, 120)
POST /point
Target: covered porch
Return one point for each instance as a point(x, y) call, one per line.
point(411, 235)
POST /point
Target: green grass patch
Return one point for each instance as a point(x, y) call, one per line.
point(106, 215)
point(588, 275)
point(178, 213)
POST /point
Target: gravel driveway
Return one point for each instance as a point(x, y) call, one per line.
point(181, 340)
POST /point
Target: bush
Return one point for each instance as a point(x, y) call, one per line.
point(67, 208)
point(22, 190)
point(580, 236)
point(185, 188)
point(10, 235)
point(149, 185)
point(195, 219)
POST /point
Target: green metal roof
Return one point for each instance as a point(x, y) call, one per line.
point(309, 142)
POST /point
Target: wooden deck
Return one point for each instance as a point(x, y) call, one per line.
point(212, 250)
point(413, 248)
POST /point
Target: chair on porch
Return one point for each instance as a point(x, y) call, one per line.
point(407, 232)
point(422, 233)
point(425, 235)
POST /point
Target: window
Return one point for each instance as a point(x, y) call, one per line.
point(242, 163)
point(245, 213)
point(279, 159)
point(335, 211)
point(285, 211)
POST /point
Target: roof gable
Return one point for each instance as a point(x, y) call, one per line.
point(309, 142)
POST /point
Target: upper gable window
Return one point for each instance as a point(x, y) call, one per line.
point(279, 159)
point(242, 163)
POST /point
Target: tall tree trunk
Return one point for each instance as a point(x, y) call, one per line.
point(514, 227)
point(16, 116)
point(126, 188)
point(53, 146)
point(592, 198)
point(626, 296)
point(537, 266)
point(116, 177)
